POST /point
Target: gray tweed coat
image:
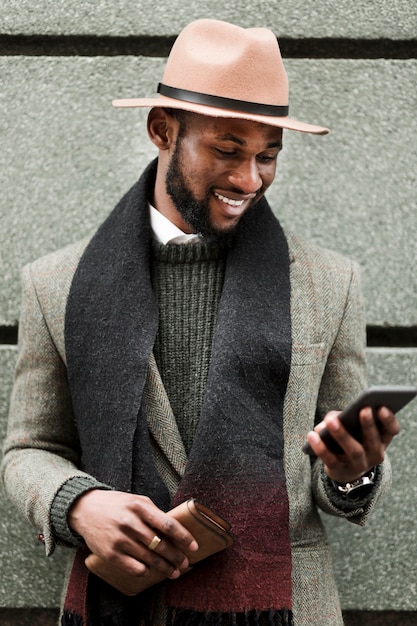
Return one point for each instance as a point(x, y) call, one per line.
point(327, 371)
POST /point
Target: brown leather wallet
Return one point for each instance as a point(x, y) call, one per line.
point(211, 532)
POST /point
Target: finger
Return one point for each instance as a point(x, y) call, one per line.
point(390, 426)
point(320, 449)
point(318, 427)
point(378, 431)
point(139, 558)
point(160, 552)
point(350, 446)
point(168, 528)
point(176, 543)
point(153, 549)
point(339, 467)
point(349, 464)
point(155, 543)
point(371, 434)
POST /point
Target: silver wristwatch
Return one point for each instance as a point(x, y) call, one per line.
point(358, 488)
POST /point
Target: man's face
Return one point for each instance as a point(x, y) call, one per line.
point(218, 169)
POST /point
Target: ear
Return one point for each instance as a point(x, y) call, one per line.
point(161, 128)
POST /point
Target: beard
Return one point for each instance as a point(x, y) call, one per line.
point(196, 213)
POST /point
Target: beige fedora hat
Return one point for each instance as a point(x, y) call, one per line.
point(222, 70)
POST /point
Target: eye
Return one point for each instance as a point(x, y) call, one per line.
point(267, 158)
point(226, 153)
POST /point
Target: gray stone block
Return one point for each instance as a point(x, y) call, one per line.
point(8, 356)
point(291, 18)
point(380, 618)
point(28, 617)
point(376, 565)
point(354, 190)
point(27, 577)
point(67, 156)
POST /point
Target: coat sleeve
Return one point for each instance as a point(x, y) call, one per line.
point(343, 379)
point(41, 450)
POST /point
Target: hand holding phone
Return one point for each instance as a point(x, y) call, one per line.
point(394, 397)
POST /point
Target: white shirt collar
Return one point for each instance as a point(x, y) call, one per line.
point(165, 231)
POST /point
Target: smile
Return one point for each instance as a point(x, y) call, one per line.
point(229, 201)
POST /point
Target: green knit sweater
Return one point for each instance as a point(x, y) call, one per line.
point(187, 280)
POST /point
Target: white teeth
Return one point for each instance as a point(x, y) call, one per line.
point(228, 201)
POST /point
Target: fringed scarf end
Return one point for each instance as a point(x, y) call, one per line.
point(186, 617)
point(71, 619)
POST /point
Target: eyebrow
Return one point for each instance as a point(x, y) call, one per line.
point(242, 142)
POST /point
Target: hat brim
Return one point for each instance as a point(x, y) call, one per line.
point(163, 101)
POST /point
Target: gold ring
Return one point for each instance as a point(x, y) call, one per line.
point(154, 543)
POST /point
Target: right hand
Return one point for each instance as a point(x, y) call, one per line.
point(118, 527)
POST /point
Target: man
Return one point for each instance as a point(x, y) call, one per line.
point(187, 350)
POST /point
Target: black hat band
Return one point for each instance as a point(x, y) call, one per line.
point(223, 103)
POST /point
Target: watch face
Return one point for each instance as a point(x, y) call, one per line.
point(359, 492)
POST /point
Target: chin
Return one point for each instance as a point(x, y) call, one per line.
point(221, 234)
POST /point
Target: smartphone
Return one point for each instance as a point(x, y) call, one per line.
point(395, 397)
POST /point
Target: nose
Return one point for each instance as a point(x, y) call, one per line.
point(246, 177)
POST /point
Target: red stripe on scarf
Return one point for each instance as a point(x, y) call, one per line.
point(75, 605)
point(255, 573)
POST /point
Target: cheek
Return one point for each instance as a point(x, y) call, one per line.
point(197, 168)
point(268, 175)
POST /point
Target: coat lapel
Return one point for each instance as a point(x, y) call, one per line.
point(161, 421)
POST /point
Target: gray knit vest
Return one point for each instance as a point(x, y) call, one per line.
point(187, 281)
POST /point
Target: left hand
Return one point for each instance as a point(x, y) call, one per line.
point(358, 458)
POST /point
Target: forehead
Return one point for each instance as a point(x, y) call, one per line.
point(231, 129)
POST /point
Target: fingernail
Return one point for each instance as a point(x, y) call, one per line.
point(313, 435)
point(193, 546)
point(184, 564)
point(367, 416)
point(175, 574)
point(333, 425)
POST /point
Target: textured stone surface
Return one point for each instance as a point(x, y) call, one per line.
point(28, 617)
point(7, 363)
point(294, 18)
point(67, 156)
point(376, 566)
point(380, 618)
point(27, 577)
